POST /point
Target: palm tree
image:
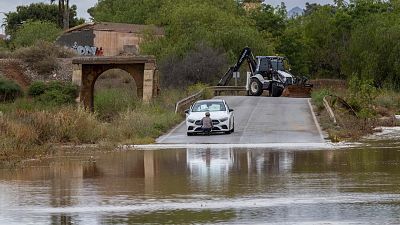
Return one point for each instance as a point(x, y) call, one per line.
point(63, 13)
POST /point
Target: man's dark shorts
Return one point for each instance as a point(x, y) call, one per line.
point(206, 130)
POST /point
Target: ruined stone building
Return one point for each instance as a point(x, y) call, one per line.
point(107, 39)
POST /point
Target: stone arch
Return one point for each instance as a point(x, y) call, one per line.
point(142, 69)
point(117, 86)
point(116, 78)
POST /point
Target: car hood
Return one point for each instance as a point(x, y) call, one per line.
point(214, 115)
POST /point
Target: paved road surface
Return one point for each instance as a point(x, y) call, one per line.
point(259, 120)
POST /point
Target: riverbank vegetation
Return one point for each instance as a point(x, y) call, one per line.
point(31, 127)
point(358, 107)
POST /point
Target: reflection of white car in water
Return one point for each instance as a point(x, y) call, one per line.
point(220, 113)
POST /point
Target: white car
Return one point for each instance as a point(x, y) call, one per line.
point(220, 113)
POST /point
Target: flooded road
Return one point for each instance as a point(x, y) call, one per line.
point(207, 186)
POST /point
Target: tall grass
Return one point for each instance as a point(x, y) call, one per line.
point(142, 124)
point(29, 128)
point(26, 134)
point(108, 103)
point(389, 101)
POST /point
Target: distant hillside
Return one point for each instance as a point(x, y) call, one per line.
point(296, 11)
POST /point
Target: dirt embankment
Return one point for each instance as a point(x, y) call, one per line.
point(11, 69)
point(24, 75)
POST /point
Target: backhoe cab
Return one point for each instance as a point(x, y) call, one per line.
point(269, 73)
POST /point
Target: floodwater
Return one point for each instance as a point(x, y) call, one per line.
point(207, 186)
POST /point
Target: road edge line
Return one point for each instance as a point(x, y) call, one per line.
point(316, 121)
point(169, 133)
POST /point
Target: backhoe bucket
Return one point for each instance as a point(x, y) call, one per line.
point(298, 91)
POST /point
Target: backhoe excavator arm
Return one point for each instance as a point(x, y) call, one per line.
point(247, 55)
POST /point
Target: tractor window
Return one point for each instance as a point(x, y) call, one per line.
point(277, 65)
point(263, 65)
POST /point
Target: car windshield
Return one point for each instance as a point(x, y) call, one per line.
point(208, 107)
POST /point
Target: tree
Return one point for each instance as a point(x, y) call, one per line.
point(63, 13)
point(40, 12)
point(340, 3)
point(292, 44)
point(203, 21)
point(125, 11)
point(252, 1)
point(270, 19)
point(218, 25)
point(374, 52)
point(201, 64)
point(32, 31)
point(310, 8)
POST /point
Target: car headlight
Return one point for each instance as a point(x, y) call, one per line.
point(224, 119)
point(191, 120)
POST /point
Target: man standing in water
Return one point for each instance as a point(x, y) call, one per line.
point(207, 124)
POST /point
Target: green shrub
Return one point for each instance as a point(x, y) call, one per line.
point(318, 97)
point(9, 90)
point(53, 93)
point(42, 57)
point(32, 31)
point(36, 88)
point(54, 97)
point(68, 89)
point(362, 95)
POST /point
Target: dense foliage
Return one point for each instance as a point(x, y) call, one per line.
point(42, 56)
point(355, 38)
point(38, 12)
point(9, 90)
point(346, 39)
point(32, 31)
point(53, 93)
point(125, 11)
point(221, 27)
point(358, 39)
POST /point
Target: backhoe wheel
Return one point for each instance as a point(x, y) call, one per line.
point(276, 90)
point(255, 87)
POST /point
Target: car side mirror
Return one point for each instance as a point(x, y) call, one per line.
point(187, 111)
point(231, 110)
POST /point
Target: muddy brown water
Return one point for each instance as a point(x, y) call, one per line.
point(207, 186)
